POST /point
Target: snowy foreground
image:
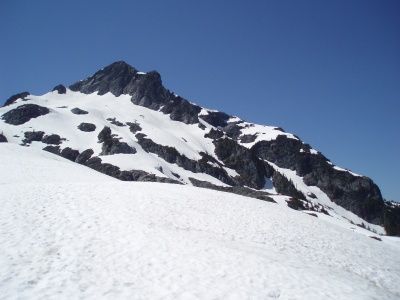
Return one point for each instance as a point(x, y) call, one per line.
point(67, 232)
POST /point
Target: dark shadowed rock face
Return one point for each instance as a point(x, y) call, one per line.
point(60, 89)
point(31, 136)
point(251, 169)
point(53, 139)
point(112, 145)
point(134, 127)
point(216, 118)
point(84, 156)
point(87, 127)
point(78, 111)
point(24, 113)
point(355, 193)
point(3, 138)
point(15, 97)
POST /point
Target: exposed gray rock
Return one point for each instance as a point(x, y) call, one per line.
point(286, 187)
point(84, 156)
point(357, 194)
point(3, 138)
point(248, 138)
point(69, 153)
point(24, 113)
point(171, 155)
point(115, 122)
point(60, 89)
point(87, 127)
point(31, 136)
point(112, 145)
point(252, 170)
point(134, 127)
point(52, 149)
point(15, 97)
point(216, 118)
point(240, 190)
point(78, 111)
point(53, 139)
point(214, 134)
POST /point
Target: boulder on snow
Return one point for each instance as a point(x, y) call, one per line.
point(78, 111)
point(3, 138)
point(87, 127)
point(31, 136)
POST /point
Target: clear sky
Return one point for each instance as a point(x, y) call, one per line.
point(328, 71)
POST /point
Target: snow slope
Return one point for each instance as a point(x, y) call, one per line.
point(105, 239)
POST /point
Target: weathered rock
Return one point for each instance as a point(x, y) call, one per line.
point(69, 153)
point(87, 127)
point(115, 122)
point(52, 149)
point(84, 156)
point(248, 138)
point(53, 139)
point(15, 97)
point(78, 111)
point(60, 89)
point(239, 190)
point(286, 187)
point(171, 155)
point(355, 193)
point(31, 136)
point(3, 138)
point(24, 113)
point(134, 127)
point(112, 145)
point(214, 134)
point(252, 170)
point(216, 118)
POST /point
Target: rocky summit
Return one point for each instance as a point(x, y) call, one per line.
point(126, 124)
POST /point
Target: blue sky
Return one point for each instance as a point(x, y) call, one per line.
point(328, 71)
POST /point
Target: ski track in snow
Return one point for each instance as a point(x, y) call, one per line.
point(108, 239)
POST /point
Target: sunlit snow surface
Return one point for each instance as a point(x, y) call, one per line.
point(67, 232)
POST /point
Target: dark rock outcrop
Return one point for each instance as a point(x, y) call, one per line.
point(3, 138)
point(239, 190)
point(87, 127)
point(78, 111)
point(112, 145)
point(52, 149)
point(251, 169)
point(214, 134)
point(115, 122)
point(15, 97)
point(216, 118)
point(392, 218)
point(83, 157)
point(248, 138)
point(31, 136)
point(60, 89)
point(53, 139)
point(286, 187)
point(24, 113)
point(355, 193)
point(134, 127)
point(69, 153)
point(171, 155)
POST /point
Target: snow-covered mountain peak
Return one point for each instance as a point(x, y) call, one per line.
point(126, 124)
